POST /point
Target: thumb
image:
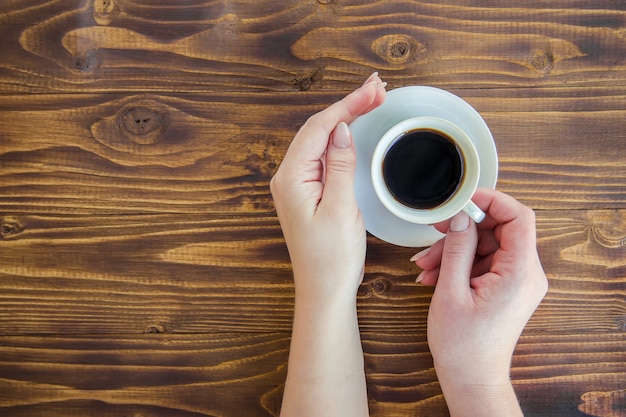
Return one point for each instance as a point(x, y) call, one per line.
point(458, 256)
point(340, 167)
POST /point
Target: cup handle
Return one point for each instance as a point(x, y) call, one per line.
point(474, 212)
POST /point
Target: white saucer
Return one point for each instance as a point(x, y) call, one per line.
point(403, 103)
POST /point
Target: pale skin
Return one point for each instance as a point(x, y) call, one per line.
point(488, 279)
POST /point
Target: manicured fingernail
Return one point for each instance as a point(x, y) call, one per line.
point(342, 138)
point(460, 222)
point(383, 85)
point(420, 277)
point(374, 74)
point(367, 84)
point(419, 255)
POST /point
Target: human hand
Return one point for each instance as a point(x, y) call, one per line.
point(489, 281)
point(313, 192)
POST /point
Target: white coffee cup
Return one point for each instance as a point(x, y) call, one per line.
point(408, 201)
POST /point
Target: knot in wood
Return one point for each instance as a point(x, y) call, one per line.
point(608, 229)
point(381, 286)
point(87, 60)
point(364, 291)
point(10, 226)
point(142, 125)
point(543, 61)
point(305, 83)
point(398, 48)
point(156, 328)
point(104, 11)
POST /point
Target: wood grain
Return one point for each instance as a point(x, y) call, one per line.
point(103, 153)
point(190, 374)
point(142, 268)
point(164, 273)
point(221, 375)
point(122, 45)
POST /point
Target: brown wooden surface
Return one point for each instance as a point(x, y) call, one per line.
point(142, 268)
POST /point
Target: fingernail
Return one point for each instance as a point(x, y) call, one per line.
point(342, 138)
point(374, 74)
point(460, 222)
point(419, 255)
point(420, 277)
point(368, 83)
point(383, 85)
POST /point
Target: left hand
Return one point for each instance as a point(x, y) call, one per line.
point(313, 191)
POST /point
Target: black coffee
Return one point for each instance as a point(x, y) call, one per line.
point(423, 169)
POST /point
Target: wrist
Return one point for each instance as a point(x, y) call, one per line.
point(324, 308)
point(478, 373)
point(491, 397)
point(323, 291)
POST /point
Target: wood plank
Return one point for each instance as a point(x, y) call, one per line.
point(173, 274)
point(141, 154)
point(164, 374)
point(108, 153)
point(290, 45)
point(142, 269)
point(215, 375)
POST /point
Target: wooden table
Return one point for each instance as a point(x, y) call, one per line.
point(142, 268)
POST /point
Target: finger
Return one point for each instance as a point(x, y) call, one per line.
point(487, 242)
point(458, 256)
point(361, 101)
point(499, 208)
point(312, 139)
point(428, 277)
point(340, 165)
point(429, 258)
point(503, 211)
point(513, 222)
point(482, 265)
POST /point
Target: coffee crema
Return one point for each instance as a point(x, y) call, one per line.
point(423, 168)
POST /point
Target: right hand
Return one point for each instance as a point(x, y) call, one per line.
point(489, 281)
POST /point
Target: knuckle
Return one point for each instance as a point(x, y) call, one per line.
point(525, 212)
point(342, 165)
point(530, 214)
point(313, 120)
point(455, 249)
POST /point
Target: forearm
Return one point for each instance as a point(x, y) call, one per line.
point(325, 376)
